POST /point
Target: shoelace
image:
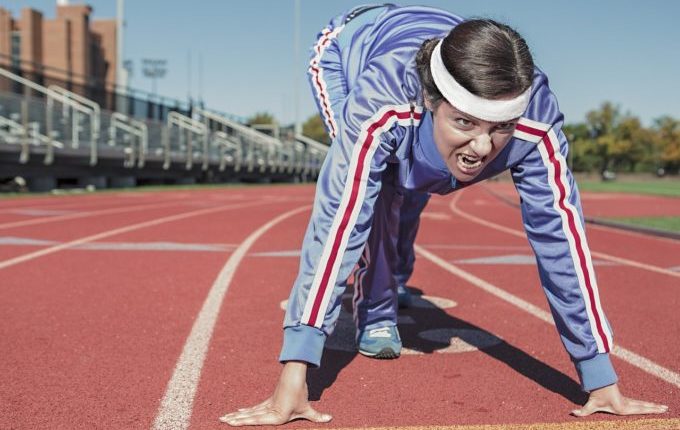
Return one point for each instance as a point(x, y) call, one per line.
point(380, 332)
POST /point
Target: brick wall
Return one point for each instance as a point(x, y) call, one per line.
point(31, 30)
point(104, 32)
point(78, 17)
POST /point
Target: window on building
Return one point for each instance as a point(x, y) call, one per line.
point(16, 49)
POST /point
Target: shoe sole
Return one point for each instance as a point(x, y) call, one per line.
point(384, 354)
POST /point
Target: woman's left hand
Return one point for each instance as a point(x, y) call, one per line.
point(609, 399)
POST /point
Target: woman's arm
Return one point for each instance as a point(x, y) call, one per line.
point(553, 220)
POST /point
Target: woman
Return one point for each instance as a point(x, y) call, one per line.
point(419, 101)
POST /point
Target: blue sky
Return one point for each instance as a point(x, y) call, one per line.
point(624, 51)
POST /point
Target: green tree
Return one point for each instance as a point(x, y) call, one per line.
point(667, 143)
point(583, 151)
point(632, 144)
point(261, 118)
point(314, 128)
point(602, 123)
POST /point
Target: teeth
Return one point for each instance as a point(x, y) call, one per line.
point(469, 162)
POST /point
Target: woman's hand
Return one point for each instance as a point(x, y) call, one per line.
point(609, 399)
point(289, 402)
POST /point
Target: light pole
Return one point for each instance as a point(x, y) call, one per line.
point(121, 69)
point(296, 58)
point(154, 69)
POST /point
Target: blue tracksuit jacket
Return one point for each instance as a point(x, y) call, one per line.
point(363, 76)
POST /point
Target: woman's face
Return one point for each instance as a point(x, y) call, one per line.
point(468, 144)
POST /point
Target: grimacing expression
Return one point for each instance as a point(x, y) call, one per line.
point(468, 144)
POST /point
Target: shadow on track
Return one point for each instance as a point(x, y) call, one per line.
point(434, 330)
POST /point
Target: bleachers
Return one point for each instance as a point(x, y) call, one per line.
point(51, 136)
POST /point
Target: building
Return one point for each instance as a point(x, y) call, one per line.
point(71, 50)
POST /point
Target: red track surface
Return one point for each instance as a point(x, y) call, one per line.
point(90, 337)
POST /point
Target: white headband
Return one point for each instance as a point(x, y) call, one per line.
point(465, 101)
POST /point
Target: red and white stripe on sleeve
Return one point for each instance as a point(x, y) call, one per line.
point(549, 148)
point(350, 206)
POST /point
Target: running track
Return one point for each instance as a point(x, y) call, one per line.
point(163, 310)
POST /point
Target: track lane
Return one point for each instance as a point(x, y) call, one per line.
point(653, 255)
point(222, 393)
point(72, 201)
point(459, 389)
point(177, 404)
point(650, 250)
point(656, 312)
point(241, 365)
point(108, 332)
point(240, 368)
point(631, 313)
point(72, 233)
point(84, 214)
point(601, 204)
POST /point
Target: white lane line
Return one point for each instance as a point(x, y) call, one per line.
point(157, 246)
point(620, 260)
point(632, 233)
point(636, 264)
point(24, 241)
point(123, 246)
point(177, 404)
point(86, 214)
point(40, 212)
point(489, 288)
point(291, 253)
point(514, 259)
point(56, 203)
point(56, 248)
point(439, 216)
point(514, 202)
point(624, 354)
point(618, 424)
point(481, 247)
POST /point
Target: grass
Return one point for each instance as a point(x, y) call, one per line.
point(666, 223)
point(669, 187)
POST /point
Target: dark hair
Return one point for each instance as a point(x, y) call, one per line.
point(489, 59)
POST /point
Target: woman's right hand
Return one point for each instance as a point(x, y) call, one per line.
point(289, 402)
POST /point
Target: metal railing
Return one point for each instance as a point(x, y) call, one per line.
point(259, 150)
point(230, 151)
point(133, 130)
point(54, 118)
point(95, 114)
point(28, 134)
point(187, 129)
point(315, 153)
point(68, 104)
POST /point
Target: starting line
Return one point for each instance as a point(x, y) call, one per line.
point(643, 424)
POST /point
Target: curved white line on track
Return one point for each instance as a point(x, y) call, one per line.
point(478, 247)
point(176, 406)
point(632, 233)
point(624, 354)
point(489, 288)
point(591, 226)
point(632, 263)
point(52, 249)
